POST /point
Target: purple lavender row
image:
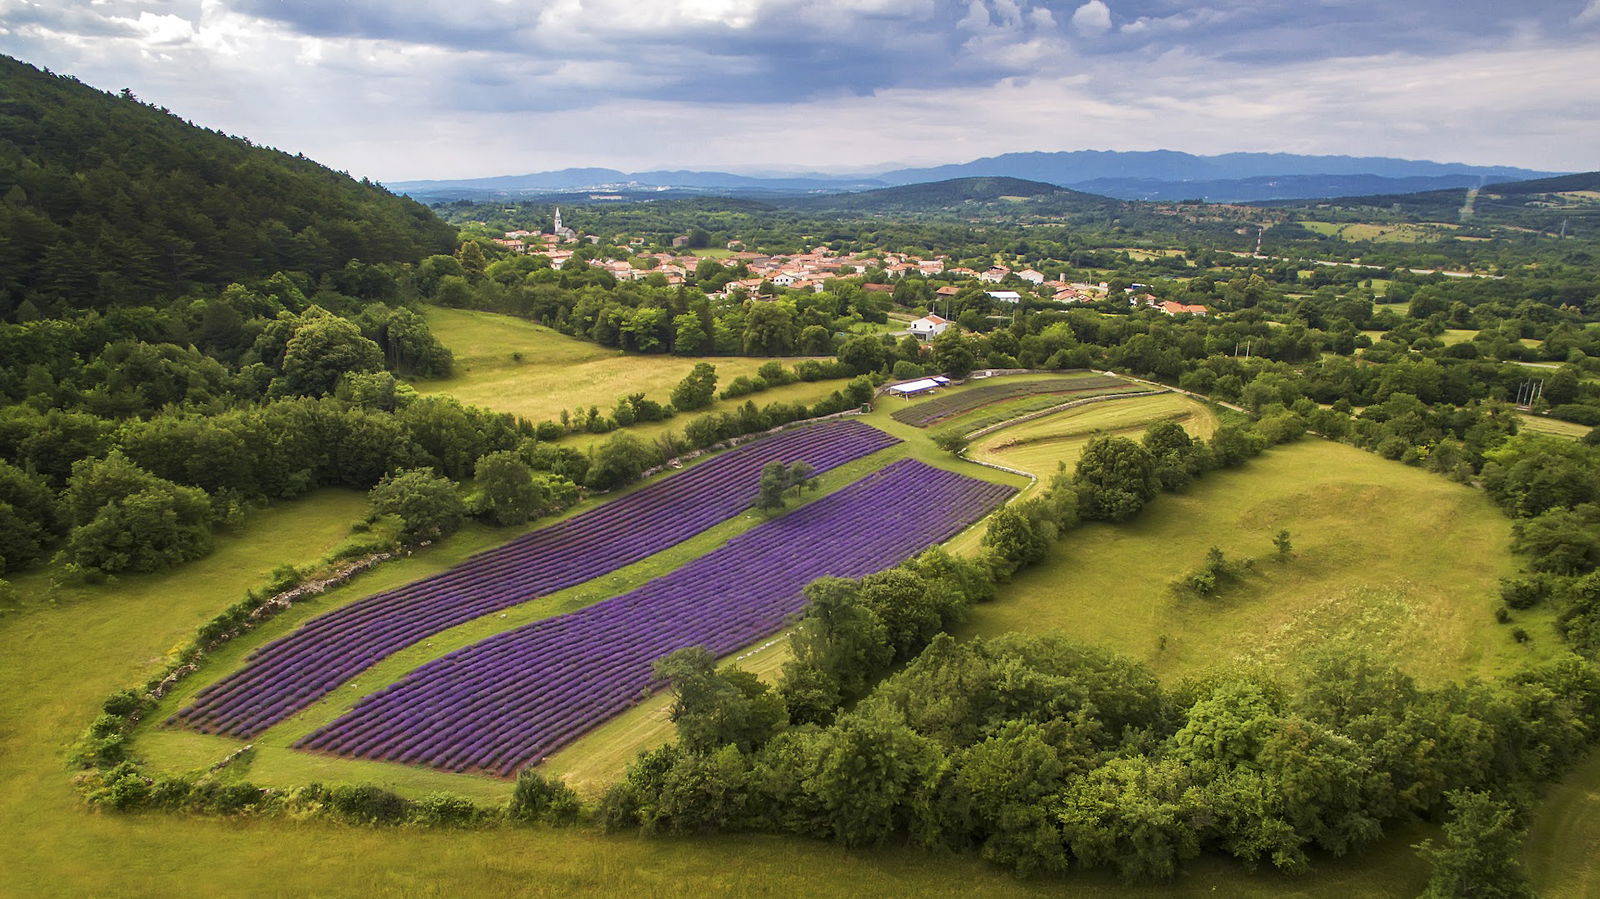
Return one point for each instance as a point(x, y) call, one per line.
point(295, 671)
point(511, 699)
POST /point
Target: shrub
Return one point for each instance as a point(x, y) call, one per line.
point(1525, 592)
point(1577, 414)
point(366, 804)
point(444, 810)
point(540, 798)
point(428, 504)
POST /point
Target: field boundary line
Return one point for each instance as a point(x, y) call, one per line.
point(1030, 416)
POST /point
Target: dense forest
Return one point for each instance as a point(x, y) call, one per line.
point(106, 201)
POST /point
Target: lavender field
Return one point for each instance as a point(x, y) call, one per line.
point(295, 671)
point(509, 700)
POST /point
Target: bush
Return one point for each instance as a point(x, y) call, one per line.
point(506, 492)
point(697, 389)
point(366, 804)
point(743, 386)
point(545, 799)
point(428, 504)
point(775, 375)
point(444, 810)
point(1577, 413)
point(1525, 592)
point(619, 461)
point(906, 370)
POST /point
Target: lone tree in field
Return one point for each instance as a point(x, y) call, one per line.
point(428, 504)
point(778, 479)
point(697, 390)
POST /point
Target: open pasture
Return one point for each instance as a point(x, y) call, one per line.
point(556, 372)
point(1395, 232)
point(1388, 558)
point(1544, 424)
point(1563, 848)
point(62, 659)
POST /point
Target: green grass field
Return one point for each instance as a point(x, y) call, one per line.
point(1386, 557)
point(1399, 232)
point(559, 372)
point(1040, 445)
point(1543, 424)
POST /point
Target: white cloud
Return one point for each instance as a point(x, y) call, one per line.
point(396, 108)
point(1590, 14)
point(1092, 19)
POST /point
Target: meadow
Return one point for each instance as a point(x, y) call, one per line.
point(63, 657)
point(511, 365)
point(1040, 445)
point(1543, 424)
point(1397, 232)
point(1386, 558)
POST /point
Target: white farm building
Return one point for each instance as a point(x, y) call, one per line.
point(921, 385)
point(928, 327)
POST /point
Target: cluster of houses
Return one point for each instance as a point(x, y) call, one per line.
point(812, 270)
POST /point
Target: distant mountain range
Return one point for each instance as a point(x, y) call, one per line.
point(1163, 175)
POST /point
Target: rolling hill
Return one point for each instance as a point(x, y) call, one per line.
point(964, 196)
point(1158, 175)
point(1568, 202)
point(107, 201)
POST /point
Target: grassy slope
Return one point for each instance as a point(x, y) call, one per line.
point(1370, 566)
point(62, 659)
point(560, 372)
point(1040, 445)
point(1541, 424)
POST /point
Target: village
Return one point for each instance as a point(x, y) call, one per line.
point(766, 276)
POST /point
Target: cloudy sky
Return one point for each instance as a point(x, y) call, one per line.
point(402, 89)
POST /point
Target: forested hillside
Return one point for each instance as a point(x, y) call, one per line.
point(106, 201)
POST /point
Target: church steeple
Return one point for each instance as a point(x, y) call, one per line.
point(557, 228)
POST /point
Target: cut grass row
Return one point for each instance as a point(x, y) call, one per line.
point(950, 403)
point(1040, 445)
